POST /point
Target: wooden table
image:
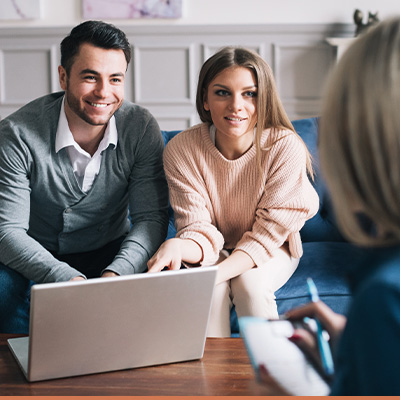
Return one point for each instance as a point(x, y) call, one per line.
point(223, 371)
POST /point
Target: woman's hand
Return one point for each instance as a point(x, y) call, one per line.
point(332, 322)
point(305, 339)
point(167, 256)
point(234, 265)
point(172, 252)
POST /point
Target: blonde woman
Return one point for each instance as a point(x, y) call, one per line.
point(239, 188)
point(360, 158)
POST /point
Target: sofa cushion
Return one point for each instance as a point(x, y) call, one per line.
point(323, 226)
point(327, 263)
point(167, 136)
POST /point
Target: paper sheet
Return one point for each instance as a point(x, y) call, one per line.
point(267, 343)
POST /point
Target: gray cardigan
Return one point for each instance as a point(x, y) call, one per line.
point(42, 206)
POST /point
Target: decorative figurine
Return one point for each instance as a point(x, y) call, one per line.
point(358, 20)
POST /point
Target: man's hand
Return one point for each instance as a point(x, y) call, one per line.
point(77, 278)
point(108, 274)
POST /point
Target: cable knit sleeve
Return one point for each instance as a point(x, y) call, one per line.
point(185, 164)
point(287, 202)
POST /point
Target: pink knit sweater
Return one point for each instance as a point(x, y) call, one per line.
point(221, 203)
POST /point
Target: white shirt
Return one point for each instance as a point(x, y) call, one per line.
point(85, 167)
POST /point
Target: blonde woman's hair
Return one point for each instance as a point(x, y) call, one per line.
point(360, 136)
point(270, 111)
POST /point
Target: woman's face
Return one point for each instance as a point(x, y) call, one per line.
point(231, 98)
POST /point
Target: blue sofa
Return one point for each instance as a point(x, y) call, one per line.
point(327, 255)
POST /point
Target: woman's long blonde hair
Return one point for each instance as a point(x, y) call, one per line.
point(270, 111)
point(360, 136)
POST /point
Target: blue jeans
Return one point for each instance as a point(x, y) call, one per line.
point(15, 290)
point(14, 301)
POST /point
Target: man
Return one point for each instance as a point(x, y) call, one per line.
point(71, 165)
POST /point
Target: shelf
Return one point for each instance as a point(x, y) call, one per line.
point(341, 44)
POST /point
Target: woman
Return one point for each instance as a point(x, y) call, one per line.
point(239, 188)
point(360, 158)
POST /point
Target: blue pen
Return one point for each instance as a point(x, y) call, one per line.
point(323, 345)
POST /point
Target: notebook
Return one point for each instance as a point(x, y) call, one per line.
point(267, 343)
point(108, 324)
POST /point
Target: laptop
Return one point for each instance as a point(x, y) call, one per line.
point(109, 324)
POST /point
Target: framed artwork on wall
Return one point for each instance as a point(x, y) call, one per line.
point(20, 9)
point(129, 9)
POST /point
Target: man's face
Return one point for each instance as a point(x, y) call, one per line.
point(94, 88)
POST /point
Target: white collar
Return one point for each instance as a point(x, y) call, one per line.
point(64, 137)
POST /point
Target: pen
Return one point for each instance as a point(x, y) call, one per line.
point(323, 345)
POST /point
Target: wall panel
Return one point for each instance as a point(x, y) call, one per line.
point(163, 74)
point(300, 73)
point(20, 64)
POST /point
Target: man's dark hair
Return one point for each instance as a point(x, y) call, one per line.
point(97, 33)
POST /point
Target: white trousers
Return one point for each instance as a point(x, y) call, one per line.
point(252, 293)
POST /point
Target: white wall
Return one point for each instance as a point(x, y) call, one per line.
point(204, 12)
